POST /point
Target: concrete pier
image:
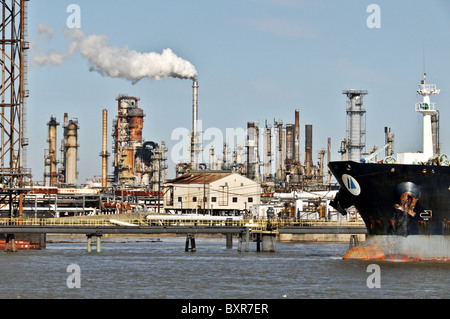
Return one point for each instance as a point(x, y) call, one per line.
point(268, 241)
point(246, 239)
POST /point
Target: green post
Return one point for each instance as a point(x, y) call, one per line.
point(89, 243)
point(99, 249)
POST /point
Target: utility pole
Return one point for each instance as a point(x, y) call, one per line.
point(203, 166)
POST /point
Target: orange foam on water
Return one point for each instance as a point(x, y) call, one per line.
point(412, 248)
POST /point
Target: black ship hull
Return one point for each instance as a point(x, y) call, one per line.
point(395, 199)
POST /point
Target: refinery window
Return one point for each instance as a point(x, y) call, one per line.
point(250, 199)
point(179, 199)
point(213, 199)
point(234, 199)
point(194, 199)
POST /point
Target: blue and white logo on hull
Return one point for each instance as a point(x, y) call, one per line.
point(351, 184)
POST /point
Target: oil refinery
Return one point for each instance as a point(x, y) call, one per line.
point(269, 161)
point(269, 164)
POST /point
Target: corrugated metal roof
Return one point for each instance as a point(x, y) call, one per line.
point(198, 178)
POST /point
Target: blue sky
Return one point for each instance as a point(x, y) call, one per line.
point(257, 60)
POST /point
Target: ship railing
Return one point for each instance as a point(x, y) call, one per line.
point(422, 106)
point(427, 88)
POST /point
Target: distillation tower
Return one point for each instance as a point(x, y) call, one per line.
point(137, 163)
point(67, 175)
point(356, 124)
point(50, 173)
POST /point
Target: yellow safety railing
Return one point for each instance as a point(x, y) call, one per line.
point(254, 223)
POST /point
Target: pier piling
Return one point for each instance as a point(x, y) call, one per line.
point(10, 239)
point(258, 242)
point(229, 238)
point(353, 241)
point(240, 242)
point(190, 241)
point(89, 242)
point(247, 238)
point(99, 249)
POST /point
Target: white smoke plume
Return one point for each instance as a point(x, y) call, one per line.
point(45, 31)
point(117, 62)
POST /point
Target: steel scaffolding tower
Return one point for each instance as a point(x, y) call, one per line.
point(13, 65)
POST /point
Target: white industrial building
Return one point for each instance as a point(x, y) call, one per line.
point(214, 193)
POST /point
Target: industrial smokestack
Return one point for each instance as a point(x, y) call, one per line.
point(211, 158)
point(252, 151)
point(389, 136)
point(63, 149)
point(283, 152)
point(268, 154)
point(71, 173)
point(225, 163)
point(194, 136)
point(289, 145)
point(297, 138)
point(308, 149)
point(279, 148)
point(104, 154)
point(328, 161)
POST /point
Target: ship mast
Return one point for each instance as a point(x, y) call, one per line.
point(427, 109)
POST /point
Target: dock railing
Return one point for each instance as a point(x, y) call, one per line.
point(254, 223)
